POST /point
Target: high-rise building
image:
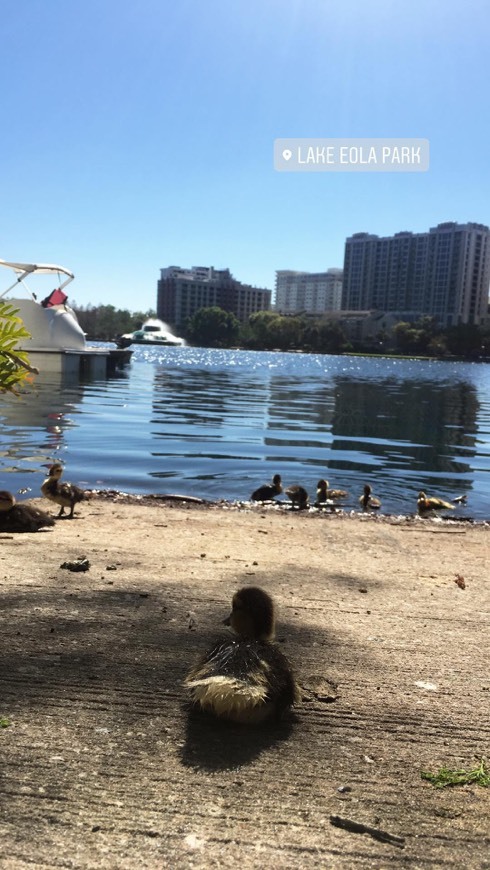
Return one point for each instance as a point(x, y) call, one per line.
point(309, 292)
point(444, 273)
point(182, 292)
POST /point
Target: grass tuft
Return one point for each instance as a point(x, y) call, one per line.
point(444, 777)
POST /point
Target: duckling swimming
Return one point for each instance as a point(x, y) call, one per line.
point(245, 679)
point(268, 491)
point(432, 503)
point(21, 517)
point(323, 493)
point(368, 501)
point(64, 494)
point(298, 496)
point(460, 499)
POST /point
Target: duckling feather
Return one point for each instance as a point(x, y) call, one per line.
point(245, 681)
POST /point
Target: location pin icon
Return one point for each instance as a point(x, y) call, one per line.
point(287, 154)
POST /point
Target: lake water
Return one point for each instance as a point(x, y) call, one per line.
point(218, 423)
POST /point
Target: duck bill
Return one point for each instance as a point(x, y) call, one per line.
point(227, 621)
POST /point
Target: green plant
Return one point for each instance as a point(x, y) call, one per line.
point(4, 723)
point(444, 776)
point(14, 364)
point(214, 327)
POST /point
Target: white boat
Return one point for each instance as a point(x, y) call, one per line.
point(57, 341)
point(153, 331)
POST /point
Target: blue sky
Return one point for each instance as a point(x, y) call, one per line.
point(140, 135)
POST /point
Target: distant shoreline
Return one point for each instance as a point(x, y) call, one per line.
point(353, 353)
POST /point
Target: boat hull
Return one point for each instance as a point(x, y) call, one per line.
point(153, 332)
point(156, 342)
point(54, 328)
point(91, 362)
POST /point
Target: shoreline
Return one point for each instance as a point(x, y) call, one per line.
point(329, 511)
point(367, 354)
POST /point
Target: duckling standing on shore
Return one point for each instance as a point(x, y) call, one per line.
point(298, 496)
point(323, 493)
point(432, 503)
point(268, 491)
point(67, 495)
point(21, 517)
point(368, 501)
point(245, 679)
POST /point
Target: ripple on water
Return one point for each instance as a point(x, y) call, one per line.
point(217, 423)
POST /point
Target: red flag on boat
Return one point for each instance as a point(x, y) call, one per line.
point(57, 297)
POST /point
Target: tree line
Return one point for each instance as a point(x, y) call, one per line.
point(105, 322)
point(268, 330)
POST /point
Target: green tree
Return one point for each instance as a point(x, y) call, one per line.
point(272, 331)
point(269, 330)
point(262, 328)
point(214, 327)
point(466, 339)
point(485, 340)
point(331, 337)
point(15, 368)
point(105, 322)
point(415, 338)
point(437, 345)
point(287, 333)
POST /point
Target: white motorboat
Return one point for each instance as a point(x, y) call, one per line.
point(153, 331)
point(57, 341)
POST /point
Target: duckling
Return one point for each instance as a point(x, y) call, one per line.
point(323, 493)
point(460, 499)
point(245, 679)
point(64, 494)
point(368, 501)
point(298, 496)
point(269, 490)
point(432, 503)
point(21, 517)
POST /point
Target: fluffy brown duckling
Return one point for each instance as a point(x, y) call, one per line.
point(245, 679)
point(67, 495)
point(323, 493)
point(298, 496)
point(268, 491)
point(432, 503)
point(369, 501)
point(21, 517)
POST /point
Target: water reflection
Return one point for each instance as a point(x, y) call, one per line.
point(427, 426)
point(200, 398)
point(218, 424)
point(420, 430)
point(34, 425)
point(215, 425)
point(44, 424)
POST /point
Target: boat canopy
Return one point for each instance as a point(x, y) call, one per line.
point(22, 270)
